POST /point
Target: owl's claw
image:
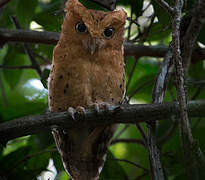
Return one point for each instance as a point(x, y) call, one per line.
point(72, 112)
point(102, 105)
point(79, 110)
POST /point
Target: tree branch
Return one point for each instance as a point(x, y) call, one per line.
point(166, 6)
point(29, 36)
point(3, 3)
point(192, 22)
point(16, 67)
point(124, 114)
point(27, 49)
point(192, 168)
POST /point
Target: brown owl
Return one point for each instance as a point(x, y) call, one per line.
point(87, 70)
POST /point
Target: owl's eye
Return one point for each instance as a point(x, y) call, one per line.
point(81, 27)
point(108, 32)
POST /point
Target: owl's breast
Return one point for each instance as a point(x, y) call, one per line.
point(84, 80)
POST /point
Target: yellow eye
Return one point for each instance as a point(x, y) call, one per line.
point(81, 27)
point(108, 32)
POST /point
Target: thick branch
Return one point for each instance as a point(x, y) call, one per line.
point(28, 36)
point(124, 114)
point(195, 20)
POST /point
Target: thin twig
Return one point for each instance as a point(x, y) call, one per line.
point(195, 125)
point(3, 3)
point(130, 162)
point(28, 50)
point(168, 133)
point(141, 176)
point(16, 67)
point(166, 6)
point(131, 73)
point(197, 92)
point(27, 157)
point(130, 25)
point(144, 136)
point(45, 60)
point(142, 86)
point(122, 131)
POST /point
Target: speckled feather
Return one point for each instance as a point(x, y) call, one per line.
point(81, 78)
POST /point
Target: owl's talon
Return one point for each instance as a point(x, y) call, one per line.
point(102, 105)
point(106, 106)
point(96, 107)
point(80, 110)
point(72, 112)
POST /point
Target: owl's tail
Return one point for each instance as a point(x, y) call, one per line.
point(83, 151)
point(85, 170)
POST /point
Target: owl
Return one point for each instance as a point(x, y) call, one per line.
point(87, 71)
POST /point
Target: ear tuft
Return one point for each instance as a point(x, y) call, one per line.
point(74, 6)
point(119, 14)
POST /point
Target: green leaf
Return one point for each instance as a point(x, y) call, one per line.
point(158, 33)
point(7, 11)
point(92, 5)
point(25, 174)
point(57, 161)
point(137, 5)
point(48, 16)
point(142, 78)
point(29, 97)
point(112, 169)
point(62, 176)
point(201, 37)
point(13, 58)
point(25, 11)
point(44, 77)
point(162, 15)
point(197, 70)
point(8, 163)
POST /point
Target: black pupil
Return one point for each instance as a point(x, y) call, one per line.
point(108, 32)
point(81, 27)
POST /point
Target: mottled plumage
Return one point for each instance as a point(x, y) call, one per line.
point(87, 69)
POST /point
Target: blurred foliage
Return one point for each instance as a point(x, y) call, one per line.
point(23, 92)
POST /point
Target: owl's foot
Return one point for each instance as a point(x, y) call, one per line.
point(102, 105)
point(79, 110)
point(72, 112)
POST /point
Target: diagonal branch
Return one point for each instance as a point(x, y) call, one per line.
point(3, 3)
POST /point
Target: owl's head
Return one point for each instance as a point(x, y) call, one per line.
point(92, 29)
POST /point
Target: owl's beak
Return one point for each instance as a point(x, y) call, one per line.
point(92, 45)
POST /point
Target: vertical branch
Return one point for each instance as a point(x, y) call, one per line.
point(194, 158)
point(130, 25)
point(157, 97)
point(185, 127)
